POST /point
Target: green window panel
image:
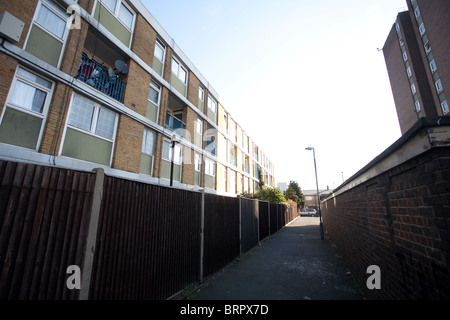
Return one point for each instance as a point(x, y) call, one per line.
point(84, 146)
point(177, 84)
point(209, 182)
point(44, 46)
point(111, 23)
point(211, 115)
point(165, 170)
point(197, 178)
point(157, 66)
point(146, 164)
point(152, 112)
point(201, 105)
point(20, 129)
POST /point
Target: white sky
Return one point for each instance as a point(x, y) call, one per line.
point(296, 73)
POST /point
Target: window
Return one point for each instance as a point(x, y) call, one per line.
point(413, 88)
point(23, 116)
point(408, 71)
point(89, 116)
point(212, 104)
point(210, 167)
point(198, 162)
point(160, 50)
point(427, 48)
point(154, 93)
point(417, 12)
point(405, 56)
point(201, 94)
point(179, 71)
point(439, 86)
point(433, 66)
point(120, 10)
point(422, 29)
point(199, 127)
point(417, 106)
point(52, 18)
point(444, 107)
point(148, 142)
point(48, 32)
point(167, 152)
point(397, 27)
point(30, 91)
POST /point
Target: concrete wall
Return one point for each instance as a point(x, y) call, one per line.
point(394, 213)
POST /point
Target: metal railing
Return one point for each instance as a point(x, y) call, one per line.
point(96, 75)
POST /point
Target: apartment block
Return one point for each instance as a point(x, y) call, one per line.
point(416, 54)
point(100, 83)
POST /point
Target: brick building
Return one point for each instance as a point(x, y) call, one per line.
point(99, 83)
point(416, 54)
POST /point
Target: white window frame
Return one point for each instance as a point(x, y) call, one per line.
point(144, 151)
point(413, 88)
point(445, 110)
point(405, 56)
point(433, 66)
point(198, 162)
point(417, 12)
point(210, 167)
point(116, 14)
point(212, 104)
point(440, 87)
point(199, 127)
point(409, 72)
point(177, 147)
point(63, 40)
point(161, 46)
point(94, 121)
point(177, 74)
point(42, 115)
point(427, 47)
point(417, 106)
point(201, 94)
point(422, 29)
point(147, 132)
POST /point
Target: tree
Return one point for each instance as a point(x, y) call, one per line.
point(294, 192)
point(273, 195)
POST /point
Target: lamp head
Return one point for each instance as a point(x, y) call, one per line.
point(309, 148)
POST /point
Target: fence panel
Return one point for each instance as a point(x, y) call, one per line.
point(44, 214)
point(221, 233)
point(274, 217)
point(264, 220)
point(249, 224)
point(147, 243)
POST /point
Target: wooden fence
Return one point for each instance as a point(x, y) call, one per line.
point(131, 240)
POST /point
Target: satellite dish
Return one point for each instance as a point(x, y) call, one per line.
point(121, 66)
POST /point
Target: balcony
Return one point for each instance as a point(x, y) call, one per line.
point(175, 125)
point(101, 78)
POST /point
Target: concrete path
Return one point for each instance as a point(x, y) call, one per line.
point(293, 264)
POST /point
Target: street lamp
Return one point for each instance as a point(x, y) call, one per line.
point(173, 139)
point(318, 195)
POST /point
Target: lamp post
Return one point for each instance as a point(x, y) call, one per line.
point(318, 194)
point(172, 140)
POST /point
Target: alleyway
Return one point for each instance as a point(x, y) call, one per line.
point(293, 264)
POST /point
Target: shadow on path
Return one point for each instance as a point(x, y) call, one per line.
point(293, 264)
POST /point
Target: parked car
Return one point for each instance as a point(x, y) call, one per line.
point(308, 212)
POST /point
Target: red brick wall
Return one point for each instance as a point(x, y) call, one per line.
point(399, 221)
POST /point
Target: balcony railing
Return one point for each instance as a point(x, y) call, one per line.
point(97, 76)
point(175, 125)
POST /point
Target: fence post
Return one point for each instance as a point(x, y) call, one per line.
point(202, 235)
point(92, 234)
point(240, 225)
